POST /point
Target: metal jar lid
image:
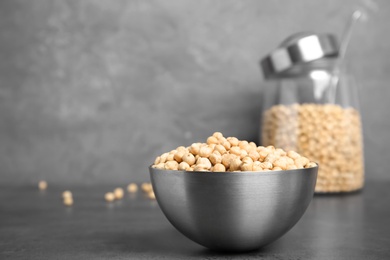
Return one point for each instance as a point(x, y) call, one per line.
point(298, 49)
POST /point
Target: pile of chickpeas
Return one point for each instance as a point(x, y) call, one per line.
point(328, 134)
point(220, 154)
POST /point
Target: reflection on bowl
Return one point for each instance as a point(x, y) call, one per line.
point(233, 211)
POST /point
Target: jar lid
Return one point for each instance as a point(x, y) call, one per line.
point(298, 49)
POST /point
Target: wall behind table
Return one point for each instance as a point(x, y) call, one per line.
point(92, 91)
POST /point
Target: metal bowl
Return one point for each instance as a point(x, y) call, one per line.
point(234, 211)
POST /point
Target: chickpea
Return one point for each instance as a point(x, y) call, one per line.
point(159, 166)
point(226, 159)
point(310, 164)
point(271, 148)
point(151, 195)
point(118, 193)
point(179, 156)
point(220, 148)
point(270, 158)
point(194, 148)
point(171, 165)
point(226, 144)
point(219, 168)
point(132, 188)
point(205, 151)
point(200, 168)
point(189, 158)
point(183, 166)
point(247, 166)
point(280, 152)
point(301, 161)
point(212, 146)
point(205, 162)
point(243, 153)
point(263, 154)
point(235, 150)
point(254, 155)
point(291, 167)
point(181, 149)
point(243, 144)
point(42, 185)
point(233, 141)
point(277, 169)
point(235, 164)
point(170, 157)
point(247, 159)
point(280, 163)
point(68, 201)
point(266, 165)
point(256, 166)
point(146, 187)
point(163, 157)
point(218, 135)
point(66, 194)
point(109, 196)
point(215, 158)
point(212, 140)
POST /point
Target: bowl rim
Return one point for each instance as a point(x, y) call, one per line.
point(236, 173)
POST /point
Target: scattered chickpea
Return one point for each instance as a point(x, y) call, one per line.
point(132, 188)
point(151, 195)
point(42, 185)
point(118, 193)
point(146, 187)
point(67, 194)
point(68, 201)
point(109, 196)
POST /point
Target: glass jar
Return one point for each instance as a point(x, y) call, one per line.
point(310, 106)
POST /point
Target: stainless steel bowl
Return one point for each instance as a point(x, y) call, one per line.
point(234, 211)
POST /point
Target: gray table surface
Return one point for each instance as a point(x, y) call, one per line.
point(36, 225)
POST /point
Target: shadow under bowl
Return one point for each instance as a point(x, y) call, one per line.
point(233, 211)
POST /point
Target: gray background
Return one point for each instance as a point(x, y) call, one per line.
point(92, 91)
